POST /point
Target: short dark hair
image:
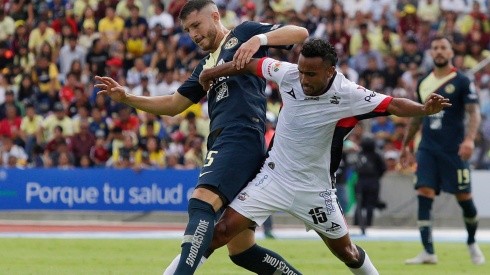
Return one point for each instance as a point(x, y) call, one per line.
point(440, 37)
point(317, 47)
point(193, 5)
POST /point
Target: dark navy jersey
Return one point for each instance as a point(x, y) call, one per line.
point(234, 99)
point(445, 130)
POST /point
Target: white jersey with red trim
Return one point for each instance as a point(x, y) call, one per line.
point(301, 154)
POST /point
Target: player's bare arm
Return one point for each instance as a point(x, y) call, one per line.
point(159, 105)
point(474, 118)
point(403, 107)
point(287, 35)
point(226, 69)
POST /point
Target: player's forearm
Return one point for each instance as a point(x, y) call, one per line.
point(413, 127)
point(227, 69)
point(474, 120)
point(287, 35)
point(403, 107)
point(168, 105)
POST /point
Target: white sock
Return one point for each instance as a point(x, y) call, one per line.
point(367, 268)
point(170, 270)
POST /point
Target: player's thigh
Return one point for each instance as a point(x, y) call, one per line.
point(320, 211)
point(456, 177)
point(427, 174)
point(262, 197)
point(232, 161)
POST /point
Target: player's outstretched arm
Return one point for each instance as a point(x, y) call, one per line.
point(403, 107)
point(226, 69)
point(159, 105)
point(287, 35)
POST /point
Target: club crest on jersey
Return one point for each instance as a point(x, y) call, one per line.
point(221, 91)
point(449, 89)
point(334, 99)
point(327, 195)
point(242, 196)
point(231, 43)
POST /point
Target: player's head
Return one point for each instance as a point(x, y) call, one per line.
point(201, 19)
point(441, 51)
point(316, 65)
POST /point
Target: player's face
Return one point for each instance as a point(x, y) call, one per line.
point(202, 27)
point(314, 75)
point(441, 52)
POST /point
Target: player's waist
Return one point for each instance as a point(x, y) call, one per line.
point(296, 176)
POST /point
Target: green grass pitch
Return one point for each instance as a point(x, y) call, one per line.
point(148, 256)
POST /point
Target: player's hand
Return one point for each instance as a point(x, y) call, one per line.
point(407, 160)
point(244, 54)
point(205, 81)
point(466, 149)
point(435, 104)
point(111, 88)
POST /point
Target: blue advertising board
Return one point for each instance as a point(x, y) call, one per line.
point(96, 189)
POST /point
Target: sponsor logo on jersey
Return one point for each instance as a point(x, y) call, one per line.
point(232, 42)
point(334, 99)
point(333, 227)
point(368, 97)
point(329, 206)
point(242, 196)
point(221, 91)
point(276, 66)
point(261, 181)
point(449, 89)
point(312, 98)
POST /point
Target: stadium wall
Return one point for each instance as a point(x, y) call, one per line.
point(161, 196)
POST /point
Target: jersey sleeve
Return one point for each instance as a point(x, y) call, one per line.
point(248, 29)
point(365, 102)
point(275, 70)
point(191, 88)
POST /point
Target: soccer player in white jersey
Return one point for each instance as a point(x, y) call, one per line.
point(318, 102)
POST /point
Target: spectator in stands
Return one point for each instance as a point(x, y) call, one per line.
point(229, 18)
point(42, 33)
point(30, 128)
point(99, 154)
point(10, 101)
point(124, 7)
point(410, 54)
point(82, 142)
point(111, 26)
point(360, 60)
point(162, 18)
point(57, 118)
point(12, 155)
point(10, 125)
point(7, 25)
point(97, 57)
point(135, 19)
point(428, 10)
point(69, 53)
point(25, 59)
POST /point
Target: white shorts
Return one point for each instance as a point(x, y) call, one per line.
point(317, 207)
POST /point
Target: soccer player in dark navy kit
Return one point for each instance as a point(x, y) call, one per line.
point(237, 107)
point(444, 150)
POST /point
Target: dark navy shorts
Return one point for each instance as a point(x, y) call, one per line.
point(442, 171)
point(235, 155)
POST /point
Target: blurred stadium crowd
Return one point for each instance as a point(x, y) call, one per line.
point(50, 51)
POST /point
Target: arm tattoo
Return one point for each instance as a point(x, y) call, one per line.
point(412, 129)
point(474, 118)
